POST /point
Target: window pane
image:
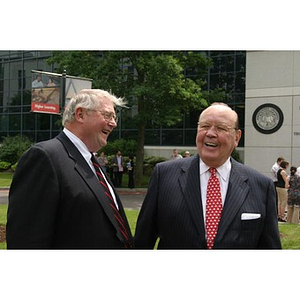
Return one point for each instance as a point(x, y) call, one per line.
point(14, 121)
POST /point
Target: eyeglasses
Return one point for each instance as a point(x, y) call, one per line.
point(219, 128)
point(108, 116)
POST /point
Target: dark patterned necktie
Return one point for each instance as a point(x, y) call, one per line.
point(111, 202)
point(213, 207)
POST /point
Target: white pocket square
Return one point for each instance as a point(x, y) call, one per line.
point(250, 216)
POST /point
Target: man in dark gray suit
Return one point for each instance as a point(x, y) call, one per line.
point(56, 200)
point(174, 209)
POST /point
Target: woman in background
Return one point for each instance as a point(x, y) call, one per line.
point(281, 188)
point(293, 201)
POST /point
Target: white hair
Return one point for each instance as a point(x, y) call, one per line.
point(88, 99)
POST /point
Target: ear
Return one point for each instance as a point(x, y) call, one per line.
point(238, 136)
point(79, 114)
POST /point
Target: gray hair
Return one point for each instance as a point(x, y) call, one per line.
point(88, 99)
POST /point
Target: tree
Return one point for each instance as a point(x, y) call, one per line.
point(153, 81)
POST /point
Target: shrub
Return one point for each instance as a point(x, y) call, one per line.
point(12, 148)
point(14, 166)
point(4, 165)
point(150, 162)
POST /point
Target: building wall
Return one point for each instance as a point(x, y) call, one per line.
point(272, 77)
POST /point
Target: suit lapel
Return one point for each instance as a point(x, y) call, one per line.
point(237, 192)
point(81, 166)
point(190, 185)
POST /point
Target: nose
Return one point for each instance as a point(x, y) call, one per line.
point(112, 122)
point(211, 131)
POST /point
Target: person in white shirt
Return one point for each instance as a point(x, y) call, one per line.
point(176, 155)
point(275, 169)
point(37, 83)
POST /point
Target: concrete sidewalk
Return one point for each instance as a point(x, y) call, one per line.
point(132, 198)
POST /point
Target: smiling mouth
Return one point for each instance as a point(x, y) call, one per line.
point(106, 132)
point(212, 145)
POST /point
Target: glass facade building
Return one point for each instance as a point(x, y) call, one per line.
point(227, 73)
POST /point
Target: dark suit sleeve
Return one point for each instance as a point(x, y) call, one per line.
point(33, 201)
point(146, 230)
point(270, 238)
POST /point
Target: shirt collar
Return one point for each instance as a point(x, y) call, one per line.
point(80, 145)
point(223, 170)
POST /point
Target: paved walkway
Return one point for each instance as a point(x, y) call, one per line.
point(131, 198)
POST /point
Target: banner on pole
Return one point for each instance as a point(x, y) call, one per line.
point(46, 90)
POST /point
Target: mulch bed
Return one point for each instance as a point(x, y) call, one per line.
point(2, 233)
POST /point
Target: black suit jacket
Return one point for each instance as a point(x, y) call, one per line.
point(172, 209)
point(56, 201)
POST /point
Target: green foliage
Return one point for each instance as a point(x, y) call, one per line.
point(150, 162)
point(14, 166)
point(126, 147)
point(4, 165)
point(217, 95)
point(235, 155)
point(13, 147)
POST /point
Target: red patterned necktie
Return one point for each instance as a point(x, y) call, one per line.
point(112, 204)
point(213, 207)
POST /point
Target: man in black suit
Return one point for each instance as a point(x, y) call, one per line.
point(56, 200)
point(174, 209)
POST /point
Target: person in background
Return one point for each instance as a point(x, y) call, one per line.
point(51, 82)
point(66, 201)
point(118, 168)
point(293, 202)
point(38, 83)
point(274, 171)
point(130, 168)
point(187, 154)
point(180, 206)
point(281, 187)
point(102, 160)
point(175, 155)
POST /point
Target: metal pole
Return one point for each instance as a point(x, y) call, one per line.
point(63, 90)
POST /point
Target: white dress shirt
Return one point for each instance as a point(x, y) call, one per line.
point(223, 173)
point(82, 148)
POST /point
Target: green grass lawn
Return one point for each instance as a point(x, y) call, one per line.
point(290, 236)
point(5, 179)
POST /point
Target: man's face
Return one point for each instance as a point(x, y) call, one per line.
point(217, 136)
point(97, 127)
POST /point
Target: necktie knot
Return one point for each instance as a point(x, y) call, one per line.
point(212, 171)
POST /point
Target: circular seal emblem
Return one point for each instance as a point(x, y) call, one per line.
point(267, 118)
